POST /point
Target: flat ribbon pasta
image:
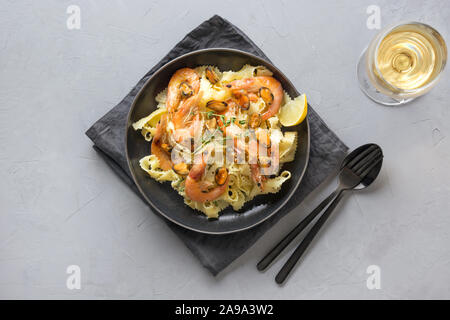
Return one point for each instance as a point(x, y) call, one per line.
point(241, 187)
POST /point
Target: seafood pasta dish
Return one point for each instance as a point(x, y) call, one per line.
point(219, 137)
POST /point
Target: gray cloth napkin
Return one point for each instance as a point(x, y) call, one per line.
point(216, 252)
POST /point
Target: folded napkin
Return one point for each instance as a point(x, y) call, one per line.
point(216, 252)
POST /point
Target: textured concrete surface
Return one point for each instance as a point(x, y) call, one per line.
point(61, 205)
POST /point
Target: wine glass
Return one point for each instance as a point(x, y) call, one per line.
point(402, 63)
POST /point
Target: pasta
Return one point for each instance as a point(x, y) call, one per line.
point(218, 171)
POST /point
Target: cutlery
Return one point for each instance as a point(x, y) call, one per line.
point(358, 170)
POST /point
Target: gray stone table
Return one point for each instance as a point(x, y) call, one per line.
point(61, 205)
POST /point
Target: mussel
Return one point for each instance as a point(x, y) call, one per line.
point(217, 105)
point(181, 168)
point(221, 175)
point(266, 95)
point(211, 75)
point(244, 102)
point(186, 90)
point(242, 98)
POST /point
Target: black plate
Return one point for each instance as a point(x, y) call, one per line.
point(162, 197)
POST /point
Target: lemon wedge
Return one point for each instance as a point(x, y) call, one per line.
point(294, 112)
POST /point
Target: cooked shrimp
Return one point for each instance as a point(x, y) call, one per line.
point(199, 190)
point(158, 143)
point(262, 84)
point(184, 83)
point(186, 120)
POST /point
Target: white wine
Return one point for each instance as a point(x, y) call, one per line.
point(402, 63)
point(410, 57)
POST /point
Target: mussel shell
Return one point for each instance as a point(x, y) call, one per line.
point(217, 105)
point(181, 168)
point(244, 102)
point(211, 75)
point(186, 89)
point(266, 95)
point(221, 175)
